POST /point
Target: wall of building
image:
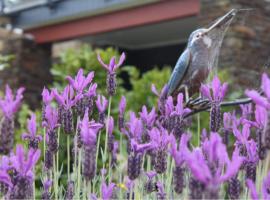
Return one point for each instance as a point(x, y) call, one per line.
point(246, 47)
point(30, 66)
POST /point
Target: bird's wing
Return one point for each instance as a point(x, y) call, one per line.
point(179, 71)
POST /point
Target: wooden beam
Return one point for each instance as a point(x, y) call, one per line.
point(137, 16)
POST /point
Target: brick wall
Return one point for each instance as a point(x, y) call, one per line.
point(246, 47)
point(30, 67)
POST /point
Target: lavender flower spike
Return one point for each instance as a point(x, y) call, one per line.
point(66, 101)
point(80, 82)
point(88, 136)
point(112, 66)
point(47, 98)
point(101, 104)
point(46, 195)
point(216, 96)
point(148, 118)
point(150, 186)
point(31, 135)
point(111, 72)
point(135, 158)
point(179, 158)
point(23, 183)
point(9, 106)
point(160, 140)
point(107, 190)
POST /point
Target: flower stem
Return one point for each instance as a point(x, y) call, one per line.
point(107, 130)
point(55, 182)
point(68, 157)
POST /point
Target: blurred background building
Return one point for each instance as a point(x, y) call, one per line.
point(151, 32)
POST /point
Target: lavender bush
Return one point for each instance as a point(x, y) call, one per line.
point(147, 155)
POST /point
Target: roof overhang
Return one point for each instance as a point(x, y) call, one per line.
point(154, 13)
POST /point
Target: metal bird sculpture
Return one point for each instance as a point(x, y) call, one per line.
point(193, 66)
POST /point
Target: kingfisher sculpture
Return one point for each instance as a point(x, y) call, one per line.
point(194, 64)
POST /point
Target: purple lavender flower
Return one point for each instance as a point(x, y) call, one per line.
point(174, 116)
point(263, 101)
point(135, 158)
point(227, 127)
point(9, 106)
point(161, 97)
point(160, 140)
point(148, 120)
point(150, 186)
point(251, 160)
point(66, 101)
point(46, 195)
point(253, 193)
point(51, 124)
point(111, 72)
point(242, 138)
point(161, 195)
point(179, 158)
point(107, 190)
point(89, 136)
point(122, 108)
point(216, 97)
point(5, 180)
point(265, 188)
point(114, 153)
point(110, 133)
point(23, 184)
point(101, 104)
point(246, 110)
point(130, 185)
point(47, 98)
point(70, 190)
point(31, 136)
point(80, 82)
point(234, 188)
point(206, 165)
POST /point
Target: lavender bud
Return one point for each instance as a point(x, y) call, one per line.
point(215, 117)
point(111, 84)
point(134, 165)
point(110, 142)
point(161, 195)
point(33, 143)
point(6, 135)
point(46, 195)
point(52, 141)
point(60, 114)
point(260, 148)
point(79, 107)
point(121, 122)
point(67, 121)
point(161, 161)
point(101, 117)
point(225, 138)
point(234, 188)
point(48, 163)
point(70, 191)
point(13, 175)
point(196, 189)
point(178, 179)
point(149, 186)
point(251, 171)
point(43, 112)
point(22, 189)
point(89, 159)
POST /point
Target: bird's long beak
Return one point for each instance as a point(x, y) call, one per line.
point(223, 20)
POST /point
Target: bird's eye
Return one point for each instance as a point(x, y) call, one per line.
point(198, 35)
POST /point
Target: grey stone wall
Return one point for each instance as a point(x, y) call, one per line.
point(29, 68)
point(246, 47)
